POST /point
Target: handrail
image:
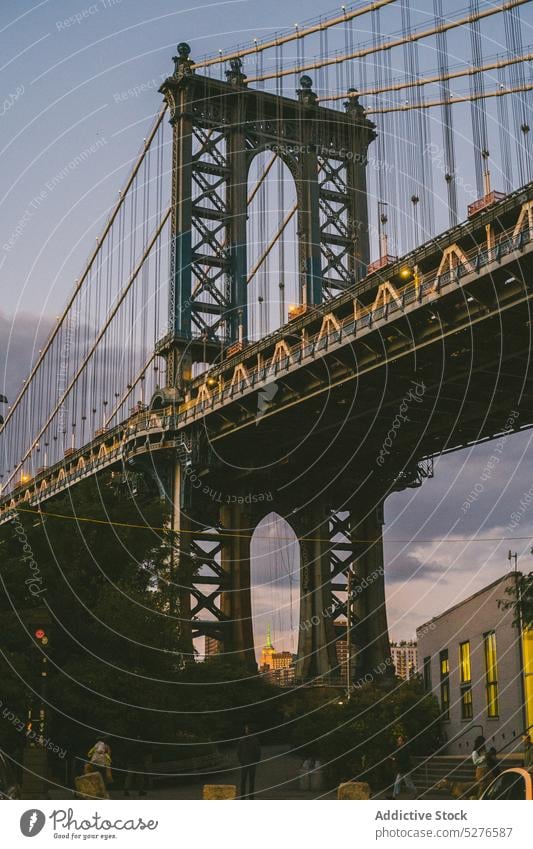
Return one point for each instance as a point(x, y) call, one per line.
point(462, 733)
point(514, 739)
point(439, 751)
point(366, 312)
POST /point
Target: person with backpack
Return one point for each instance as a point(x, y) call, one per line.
point(493, 765)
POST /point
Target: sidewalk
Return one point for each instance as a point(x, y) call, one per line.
point(276, 778)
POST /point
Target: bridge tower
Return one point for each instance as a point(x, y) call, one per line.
point(218, 128)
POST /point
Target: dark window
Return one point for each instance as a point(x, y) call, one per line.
point(427, 674)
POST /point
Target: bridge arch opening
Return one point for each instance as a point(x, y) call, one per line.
point(272, 263)
point(275, 592)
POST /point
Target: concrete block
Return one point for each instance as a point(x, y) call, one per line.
point(219, 791)
point(353, 790)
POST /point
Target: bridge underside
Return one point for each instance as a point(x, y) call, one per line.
point(339, 436)
point(328, 430)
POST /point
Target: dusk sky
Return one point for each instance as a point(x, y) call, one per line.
point(80, 76)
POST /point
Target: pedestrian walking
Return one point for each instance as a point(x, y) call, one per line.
point(402, 766)
point(249, 755)
point(493, 766)
point(479, 759)
point(100, 760)
point(138, 767)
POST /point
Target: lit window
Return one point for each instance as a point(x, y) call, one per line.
point(491, 674)
point(464, 662)
point(465, 673)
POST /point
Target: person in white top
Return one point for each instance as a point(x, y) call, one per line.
point(479, 759)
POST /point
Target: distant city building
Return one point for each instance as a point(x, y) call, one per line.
point(480, 669)
point(212, 647)
point(282, 659)
point(267, 651)
point(341, 648)
point(278, 666)
point(404, 656)
point(283, 676)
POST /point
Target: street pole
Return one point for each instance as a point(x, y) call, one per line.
point(518, 590)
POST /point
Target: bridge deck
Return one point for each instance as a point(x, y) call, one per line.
point(337, 346)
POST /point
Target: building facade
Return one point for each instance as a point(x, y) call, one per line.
point(404, 656)
point(267, 652)
point(277, 666)
point(473, 660)
point(341, 648)
point(212, 648)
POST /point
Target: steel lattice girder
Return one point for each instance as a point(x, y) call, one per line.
point(218, 128)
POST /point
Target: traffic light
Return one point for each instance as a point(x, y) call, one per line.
point(41, 636)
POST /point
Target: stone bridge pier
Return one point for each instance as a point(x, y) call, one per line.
point(211, 575)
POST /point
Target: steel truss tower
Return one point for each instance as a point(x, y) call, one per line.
point(218, 128)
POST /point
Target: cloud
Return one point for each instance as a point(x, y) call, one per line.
point(470, 498)
point(408, 567)
point(20, 340)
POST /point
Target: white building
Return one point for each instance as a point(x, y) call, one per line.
point(472, 659)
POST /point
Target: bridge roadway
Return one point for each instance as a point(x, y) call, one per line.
point(462, 334)
point(325, 417)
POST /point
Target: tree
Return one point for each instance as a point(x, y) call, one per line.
point(520, 600)
point(98, 567)
point(355, 739)
point(95, 566)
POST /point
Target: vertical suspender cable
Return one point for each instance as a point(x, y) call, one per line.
point(478, 106)
point(448, 135)
point(504, 134)
point(513, 37)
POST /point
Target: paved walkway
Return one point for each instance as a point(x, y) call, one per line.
point(277, 777)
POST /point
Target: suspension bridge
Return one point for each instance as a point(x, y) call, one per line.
point(308, 287)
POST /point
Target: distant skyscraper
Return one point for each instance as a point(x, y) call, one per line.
point(266, 654)
point(405, 658)
point(278, 666)
point(341, 648)
point(282, 659)
point(212, 647)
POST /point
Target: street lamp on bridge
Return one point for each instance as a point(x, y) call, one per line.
point(3, 400)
